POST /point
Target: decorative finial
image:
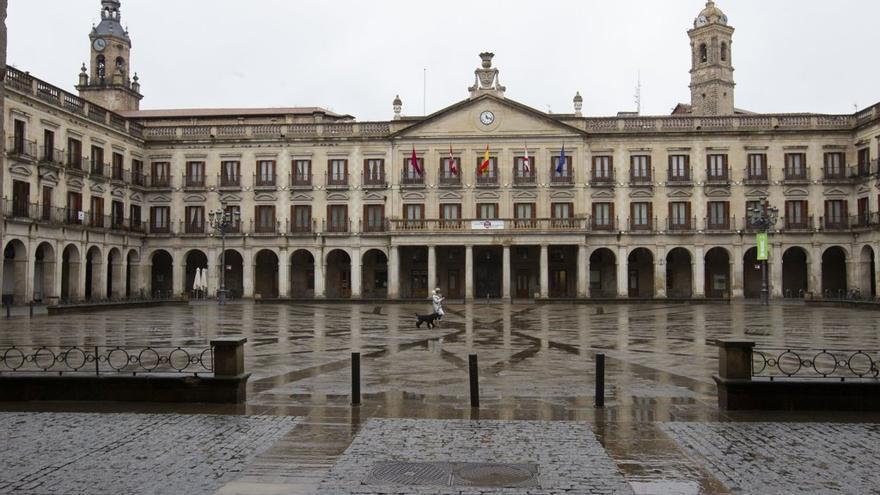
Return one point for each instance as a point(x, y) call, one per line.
point(578, 104)
point(398, 106)
point(83, 76)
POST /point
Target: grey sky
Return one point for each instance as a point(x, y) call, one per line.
point(353, 56)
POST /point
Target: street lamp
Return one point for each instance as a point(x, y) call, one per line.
point(762, 218)
point(223, 221)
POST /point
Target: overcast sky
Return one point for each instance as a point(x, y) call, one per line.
point(353, 56)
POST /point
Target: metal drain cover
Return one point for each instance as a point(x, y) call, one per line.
point(482, 474)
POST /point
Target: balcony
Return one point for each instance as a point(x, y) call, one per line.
point(300, 181)
point(797, 224)
point(264, 182)
point(337, 181)
point(467, 226)
point(524, 180)
point(838, 176)
point(337, 227)
point(717, 180)
point(99, 170)
point(862, 170)
point(412, 180)
point(52, 156)
point(375, 228)
point(561, 180)
point(265, 228)
point(865, 221)
point(192, 228)
point(832, 224)
point(680, 180)
point(137, 179)
point(75, 164)
point(194, 182)
point(796, 176)
point(681, 225)
point(159, 182)
point(118, 175)
point(604, 224)
point(296, 228)
point(641, 226)
point(376, 180)
point(45, 214)
point(641, 180)
point(450, 180)
point(160, 228)
point(727, 224)
point(602, 181)
point(487, 180)
point(228, 182)
point(22, 149)
point(750, 179)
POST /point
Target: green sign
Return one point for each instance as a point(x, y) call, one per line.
point(763, 247)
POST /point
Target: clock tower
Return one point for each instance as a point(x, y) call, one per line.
point(108, 81)
point(711, 63)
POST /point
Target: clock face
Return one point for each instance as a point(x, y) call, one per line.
point(487, 117)
point(100, 44)
point(724, 20)
point(702, 21)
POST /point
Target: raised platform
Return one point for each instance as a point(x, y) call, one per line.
point(104, 306)
point(839, 303)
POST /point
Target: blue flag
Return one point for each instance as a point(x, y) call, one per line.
point(560, 165)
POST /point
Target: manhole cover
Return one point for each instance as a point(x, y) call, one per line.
point(482, 474)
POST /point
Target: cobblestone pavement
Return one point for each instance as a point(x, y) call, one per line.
point(786, 458)
point(68, 453)
point(568, 456)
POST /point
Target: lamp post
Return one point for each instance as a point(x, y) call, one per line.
point(763, 218)
point(223, 221)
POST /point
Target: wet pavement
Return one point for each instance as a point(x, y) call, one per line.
point(536, 364)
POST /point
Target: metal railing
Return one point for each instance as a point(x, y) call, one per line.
point(803, 224)
point(227, 181)
point(337, 180)
point(66, 216)
point(602, 181)
point(642, 180)
point(52, 155)
point(505, 224)
point(265, 228)
point(194, 181)
point(158, 181)
point(264, 180)
point(98, 169)
point(376, 180)
point(489, 179)
point(681, 225)
point(796, 176)
point(644, 226)
point(76, 163)
point(106, 360)
point(337, 228)
point(841, 364)
point(297, 228)
point(301, 180)
point(22, 148)
point(450, 180)
point(727, 224)
point(521, 179)
point(412, 179)
point(565, 179)
point(717, 180)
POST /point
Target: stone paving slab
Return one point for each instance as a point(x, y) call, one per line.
point(786, 458)
point(568, 456)
point(72, 453)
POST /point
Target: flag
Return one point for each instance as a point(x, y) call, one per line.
point(484, 167)
point(560, 165)
point(526, 166)
point(414, 162)
point(452, 166)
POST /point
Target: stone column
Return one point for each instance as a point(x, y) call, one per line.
point(284, 274)
point(622, 272)
point(852, 272)
point(545, 272)
point(393, 273)
point(30, 266)
point(468, 273)
point(660, 273)
point(178, 274)
point(776, 271)
point(80, 276)
point(505, 274)
point(814, 268)
point(247, 274)
point(736, 273)
point(356, 273)
point(118, 280)
point(58, 267)
point(432, 268)
point(699, 273)
point(320, 266)
point(213, 272)
point(583, 275)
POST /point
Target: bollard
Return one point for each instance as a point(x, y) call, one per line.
point(355, 378)
point(474, 381)
point(600, 380)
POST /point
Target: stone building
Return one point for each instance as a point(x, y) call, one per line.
point(104, 200)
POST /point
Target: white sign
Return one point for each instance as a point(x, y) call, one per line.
point(487, 225)
point(80, 215)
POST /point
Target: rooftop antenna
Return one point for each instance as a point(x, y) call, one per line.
point(638, 94)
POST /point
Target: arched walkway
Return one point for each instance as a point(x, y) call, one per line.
point(44, 274)
point(603, 273)
point(15, 276)
point(867, 273)
point(115, 275)
point(374, 275)
point(640, 272)
point(338, 278)
point(70, 273)
point(795, 273)
point(94, 274)
point(752, 274)
point(234, 270)
point(195, 260)
point(266, 275)
point(717, 273)
point(302, 274)
point(679, 274)
point(162, 274)
point(132, 275)
point(834, 272)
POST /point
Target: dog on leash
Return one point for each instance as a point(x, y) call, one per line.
point(429, 319)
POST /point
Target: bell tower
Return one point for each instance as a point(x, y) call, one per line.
point(108, 81)
point(711, 63)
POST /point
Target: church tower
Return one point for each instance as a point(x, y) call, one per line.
point(712, 63)
point(108, 81)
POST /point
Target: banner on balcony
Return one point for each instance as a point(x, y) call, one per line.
point(487, 224)
point(763, 246)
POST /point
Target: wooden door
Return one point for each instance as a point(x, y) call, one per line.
point(522, 284)
point(453, 284)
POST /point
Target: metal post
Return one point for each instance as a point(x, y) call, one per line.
point(765, 283)
point(600, 380)
point(474, 381)
point(222, 298)
point(97, 362)
point(355, 378)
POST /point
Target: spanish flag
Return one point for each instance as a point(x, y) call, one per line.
point(484, 167)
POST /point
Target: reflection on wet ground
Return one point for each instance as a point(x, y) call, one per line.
point(536, 363)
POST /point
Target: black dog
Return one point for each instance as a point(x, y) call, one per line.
point(429, 319)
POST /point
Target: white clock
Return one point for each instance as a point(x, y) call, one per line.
point(487, 117)
point(100, 44)
point(702, 21)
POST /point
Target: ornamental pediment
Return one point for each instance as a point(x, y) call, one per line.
point(487, 195)
point(195, 198)
point(602, 194)
point(20, 170)
point(136, 197)
point(757, 193)
point(413, 196)
point(230, 198)
point(448, 195)
point(264, 197)
point(374, 196)
point(718, 192)
point(796, 191)
point(97, 189)
point(863, 189)
point(301, 197)
point(160, 198)
point(562, 195)
point(641, 194)
point(835, 191)
point(679, 193)
point(525, 195)
point(117, 193)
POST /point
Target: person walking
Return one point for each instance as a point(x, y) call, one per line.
point(437, 303)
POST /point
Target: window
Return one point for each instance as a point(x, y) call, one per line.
point(450, 171)
point(680, 215)
point(603, 216)
point(21, 192)
point(374, 218)
point(134, 217)
point(302, 173)
point(302, 218)
point(117, 166)
point(864, 161)
point(757, 169)
point(834, 166)
point(487, 211)
point(19, 137)
point(704, 53)
point(563, 175)
point(374, 171)
point(524, 215)
point(414, 215)
point(795, 166)
point(49, 154)
point(161, 174)
point(490, 174)
point(137, 173)
point(835, 213)
point(796, 214)
point(562, 214)
point(75, 214)
point(410, 174)
point(523, 169)
point(97, 160)
point(265, 173)
point(640, 216)
point(716, 167)
point(265, 219)
point(74, 153)
point(679, 168)
point(230, 174)
point(160, 221)
point(864, 212)
point(603, 170)
point(338, 172)
point(450, 215)
point(233, 213)
point(337, 218)
point(97, 213)
point(195, 219)
point(640, 168)
point(117, 214)
point(47, 203)
point(719, 215)
point(195, 174)
point(724, 51)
